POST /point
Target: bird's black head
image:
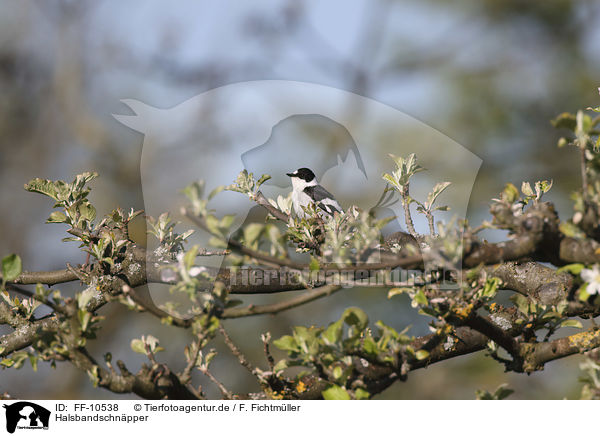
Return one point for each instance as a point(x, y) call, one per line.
point(304, 174)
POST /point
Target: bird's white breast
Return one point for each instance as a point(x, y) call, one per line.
point(300, 200)
point(299, 197)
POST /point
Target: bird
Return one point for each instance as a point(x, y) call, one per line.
point(306, 190)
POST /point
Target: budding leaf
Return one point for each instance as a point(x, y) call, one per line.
point(420, 298)
point(526, 188)
point(336, 393)
point(573, 268)
point(314, 264)
point(286, 343)
point(571, 323)
point(333, 333)
point(138, 346)
point(361, 394)
point(510, 193)
point(11, 267)
point(565, 120)
point(355, 316)
point(435, 193)
point(44, 187)
point(262, 179)
point(57, 217)
point(422, 354)
point(398, 291)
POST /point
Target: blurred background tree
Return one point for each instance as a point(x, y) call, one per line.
point(488, 73)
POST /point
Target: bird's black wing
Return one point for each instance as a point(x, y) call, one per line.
point(323, 198)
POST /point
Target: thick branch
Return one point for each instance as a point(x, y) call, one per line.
point(149, 383)
point(539, 282)
point(25, 332)
point(492, 331)
point(514, 249)
point(45, 277)
point(539, 354)
point(579, 250)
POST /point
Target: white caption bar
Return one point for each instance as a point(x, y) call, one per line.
point(22, 417)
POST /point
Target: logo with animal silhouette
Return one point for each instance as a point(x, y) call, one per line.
point(26, 415)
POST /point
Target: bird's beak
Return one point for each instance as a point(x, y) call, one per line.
point(290, 174)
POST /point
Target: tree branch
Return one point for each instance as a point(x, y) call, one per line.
point(540, 353)
point(492, 331)
point(26, 293)
point(260, 199)
point(542, 283)
point(466, 341)
point(274, 308)
point(238, 354)
point(404, 194)
point(45, 277)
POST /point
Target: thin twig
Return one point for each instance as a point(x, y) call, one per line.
point(584, 179)
point(406, 205)
point(260, 199)
point(431, 222)
point(239, 247)
point(186, 375)
point(274, 308)
point(385, 197)
point(197, 392)
point(154, 310)
point(34, 296)
point(265, 339)
point(238, 353)
point(207, 252)
point(224, 391)
point(150, 355)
